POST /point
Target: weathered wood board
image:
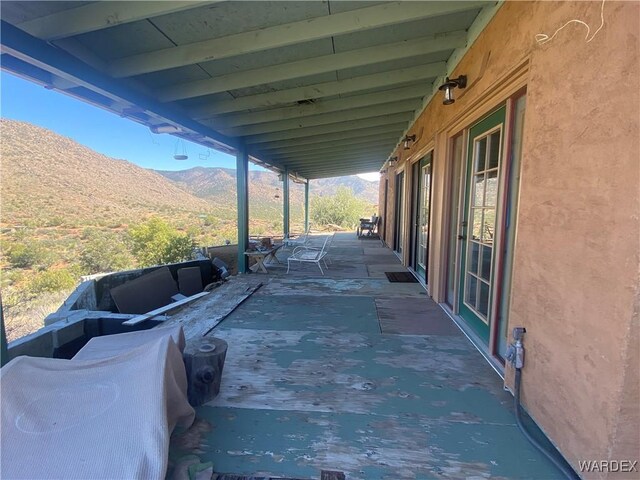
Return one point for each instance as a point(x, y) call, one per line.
point(204, 315)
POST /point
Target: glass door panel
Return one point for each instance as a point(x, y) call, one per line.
point(485, 151)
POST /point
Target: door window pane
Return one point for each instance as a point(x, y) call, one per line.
point(472, 285)
point(483, 299)
point(477, 224)
point(479, 186)
point(485, 266)
point(474, 253)
point(491, 187)
point(481, 153)
point(488, 225)
point(494, 151)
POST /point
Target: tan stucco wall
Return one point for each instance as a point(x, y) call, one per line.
point(575, 278)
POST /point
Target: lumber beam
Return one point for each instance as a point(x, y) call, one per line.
point(334, 153)
point(320, 107)
point(285, 34)
point(331, 128)
point(312, 139)
point(312, 66)
point(325, 118)
point(347, 142)
point(320, 90)
point(99, 15)
point(329, 148)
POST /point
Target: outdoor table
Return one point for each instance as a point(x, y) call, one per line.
point(262, 257)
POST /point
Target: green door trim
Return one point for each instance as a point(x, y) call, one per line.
point(487, 124)
point(424, 161)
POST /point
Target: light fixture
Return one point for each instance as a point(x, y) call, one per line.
point(449, 85)
point(164, 128)
point(407, 139)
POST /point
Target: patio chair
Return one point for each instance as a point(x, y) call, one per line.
point(302, 240)
point(368, 226)
point(304, 254)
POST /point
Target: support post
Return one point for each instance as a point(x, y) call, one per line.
point(4, 356)
point(242, 178)
point(306, 206)
point(285, 203)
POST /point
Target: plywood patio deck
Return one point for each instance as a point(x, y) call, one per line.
point(311, 383)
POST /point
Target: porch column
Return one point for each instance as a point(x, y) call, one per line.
point(242, 178)
point(285, 201)
point(3, 338)
point(306, 205)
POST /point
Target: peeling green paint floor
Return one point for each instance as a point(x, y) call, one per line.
point(311, 384)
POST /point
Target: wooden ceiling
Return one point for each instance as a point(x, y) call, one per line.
point(323, 88)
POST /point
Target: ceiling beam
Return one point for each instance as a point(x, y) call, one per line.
point(338, 171)
point(284, 35)
point(324, 119)
point(328, 152)
point(320, 147)
point(342, 127)
point(313, 66)
point(99, 15)
point(35, 54)
point(313, 139)
point(365, 156)
point(323, 106)
point(319, 90)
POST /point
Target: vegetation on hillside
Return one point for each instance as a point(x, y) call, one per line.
point(68, 211)
point(343, 209)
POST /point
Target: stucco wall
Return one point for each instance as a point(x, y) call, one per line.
point(575, 277)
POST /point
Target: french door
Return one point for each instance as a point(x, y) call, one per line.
point(398, 234)
point(479, 224)
point(422, 211)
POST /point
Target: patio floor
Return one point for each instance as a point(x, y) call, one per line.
point(350, 372)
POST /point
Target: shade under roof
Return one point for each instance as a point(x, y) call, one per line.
point(322, 88)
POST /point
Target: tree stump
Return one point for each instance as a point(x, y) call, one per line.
point(204, 361)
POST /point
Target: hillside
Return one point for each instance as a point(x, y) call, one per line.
point(48, 179)
point(208, 182)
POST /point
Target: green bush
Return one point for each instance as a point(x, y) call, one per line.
point(29, 255)
point(155, 242)
point(104, 252)
point(52, 281)
point(343, 209)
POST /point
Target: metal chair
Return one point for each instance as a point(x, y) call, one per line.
point(304, 254)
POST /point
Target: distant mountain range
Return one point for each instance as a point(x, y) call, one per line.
point(47, 176)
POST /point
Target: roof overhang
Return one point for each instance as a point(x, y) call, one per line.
point(316, 88)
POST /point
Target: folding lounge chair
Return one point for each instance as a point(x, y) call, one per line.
point(304, 254)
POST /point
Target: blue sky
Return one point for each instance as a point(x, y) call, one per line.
point(99, 129)
point(103, 131)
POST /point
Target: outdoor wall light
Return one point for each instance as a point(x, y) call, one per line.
point(407, 139)
point(449, 85)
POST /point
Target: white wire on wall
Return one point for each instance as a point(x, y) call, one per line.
point(543, 38)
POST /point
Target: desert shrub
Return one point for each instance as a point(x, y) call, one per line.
point(104, 252)
point(29, 255)
point(343, 209)
point(155, 242)
point(52, 281)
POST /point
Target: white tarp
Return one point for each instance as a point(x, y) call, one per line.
point(106, 414)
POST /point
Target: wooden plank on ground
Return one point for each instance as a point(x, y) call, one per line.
point(204, 316)
point(165, 309)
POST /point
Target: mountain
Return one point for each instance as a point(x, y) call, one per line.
point(47, 176)
point(211, 183)
point(51, 180)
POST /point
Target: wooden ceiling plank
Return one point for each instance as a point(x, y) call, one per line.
point(343, 127)
point(286, 34)
point(99, 15)
point(319, 90)
point(317, 108)
point(312, 66)
point(313, 139)
point(324, 119)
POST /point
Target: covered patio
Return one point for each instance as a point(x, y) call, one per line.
point(322, 374)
